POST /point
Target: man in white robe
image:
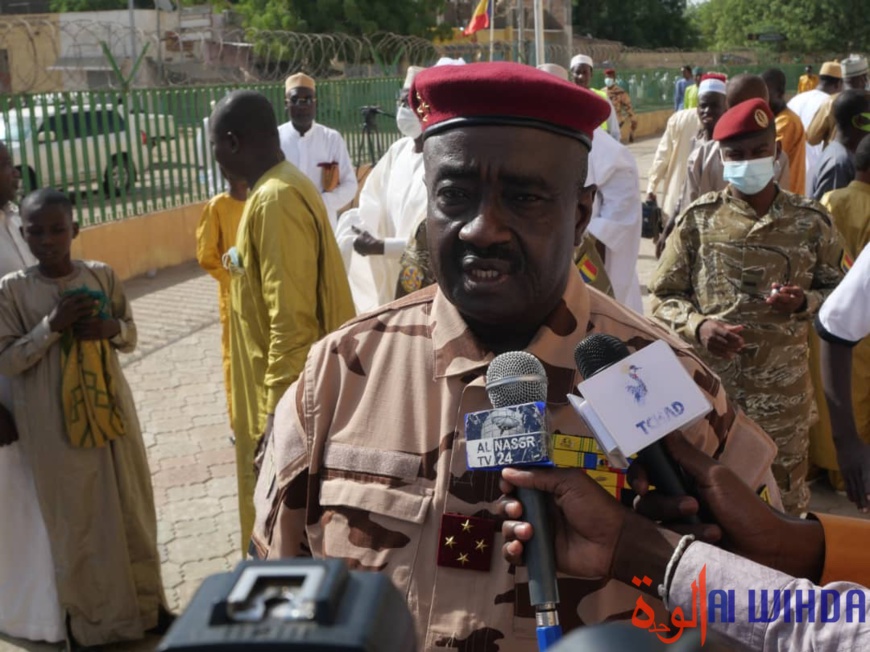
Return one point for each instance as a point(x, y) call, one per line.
point(616, 215)
point(392, 204)
point(29, 604)
point(668, 168)
point(319, 152)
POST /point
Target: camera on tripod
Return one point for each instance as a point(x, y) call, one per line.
point(294, 604)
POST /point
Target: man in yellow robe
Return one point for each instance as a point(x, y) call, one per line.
point(288, 287)
point(215, 235)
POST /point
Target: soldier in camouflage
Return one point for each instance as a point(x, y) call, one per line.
point(740, 278)
point(621, 102)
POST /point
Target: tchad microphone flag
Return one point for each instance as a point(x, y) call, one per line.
point(480, 18)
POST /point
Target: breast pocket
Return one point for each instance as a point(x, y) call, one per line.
point(374, 527)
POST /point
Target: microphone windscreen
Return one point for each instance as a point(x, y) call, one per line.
point(516, 378)
point(597, 352)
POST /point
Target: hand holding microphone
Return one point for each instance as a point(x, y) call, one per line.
point(515, 380)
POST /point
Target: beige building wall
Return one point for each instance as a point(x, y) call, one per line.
point(32, 44)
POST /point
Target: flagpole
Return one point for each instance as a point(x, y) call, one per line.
point(491, 29)
point(539, 32)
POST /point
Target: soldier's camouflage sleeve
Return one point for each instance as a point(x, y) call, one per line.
point(831, 261)
point(671, 286)
point(280, 497)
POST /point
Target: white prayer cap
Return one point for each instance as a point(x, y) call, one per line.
point(581, 59)
point(711, 85)
point(409, 76)
point(554, 69)
point(447, 61)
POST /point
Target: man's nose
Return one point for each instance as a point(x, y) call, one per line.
point(488, 227)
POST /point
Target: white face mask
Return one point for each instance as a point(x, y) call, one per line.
point(749, 177)
point(408, 123)
point(609, 81)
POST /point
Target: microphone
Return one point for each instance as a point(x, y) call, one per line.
point(599, 352)
point(517, 379)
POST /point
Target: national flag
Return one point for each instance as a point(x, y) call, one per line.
point(480, 18)
point(846, 262)
point(588, 269)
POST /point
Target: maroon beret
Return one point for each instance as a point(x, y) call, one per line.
point(504, 93)
point(610, 72)
point(743, 119)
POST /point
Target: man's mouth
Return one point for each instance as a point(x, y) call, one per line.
point(486, 270)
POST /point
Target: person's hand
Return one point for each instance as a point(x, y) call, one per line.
point(651, 197)
point(587, 520)
point(594, 535)
point(96, 329)
point(786, 298)
point(8, 431)
point(746, 525)
point(69, 310)
point(260, 449)
point(721, 339)
point(365, 244)
point(853, 458)
point(663, 237)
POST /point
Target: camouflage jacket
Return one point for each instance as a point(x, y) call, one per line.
point(368, 456)
point(721, 259)
point(621, 102)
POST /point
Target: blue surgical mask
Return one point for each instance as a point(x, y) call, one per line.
point(749, 177)
point(609, 81)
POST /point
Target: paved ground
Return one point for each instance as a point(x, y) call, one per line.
point(177, 382)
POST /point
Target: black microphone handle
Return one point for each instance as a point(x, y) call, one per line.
point(539, 555)
point(665, 475)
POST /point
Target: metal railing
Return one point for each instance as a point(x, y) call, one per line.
point(125, 154)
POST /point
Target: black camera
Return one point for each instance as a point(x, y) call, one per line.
point(294, 604)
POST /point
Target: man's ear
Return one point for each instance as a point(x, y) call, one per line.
point(583, 212)
point(233, 142)
point(778, 149)
point(75, 230)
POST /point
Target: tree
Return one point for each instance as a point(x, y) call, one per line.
point(810, 26)
point(637, 23)
point(357, 17)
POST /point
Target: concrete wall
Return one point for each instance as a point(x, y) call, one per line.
point(31, 42)
point(649, 123)
point(136, 245)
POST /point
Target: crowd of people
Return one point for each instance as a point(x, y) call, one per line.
point(506, 217)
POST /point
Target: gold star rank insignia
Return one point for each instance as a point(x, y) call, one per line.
point(466, 542)
point(423, 109)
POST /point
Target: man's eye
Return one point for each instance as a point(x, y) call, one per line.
point(527, 198)
point(452, 194)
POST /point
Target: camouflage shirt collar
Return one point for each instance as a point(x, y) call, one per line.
point(742, 207)
point(457, 352)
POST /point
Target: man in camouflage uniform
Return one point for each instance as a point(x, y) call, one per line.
point(621, 102)
point(740, 278)
point(367, 462)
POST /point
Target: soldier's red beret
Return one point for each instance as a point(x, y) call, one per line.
point(743, 119)
point(610, 72)
point(504, 93)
